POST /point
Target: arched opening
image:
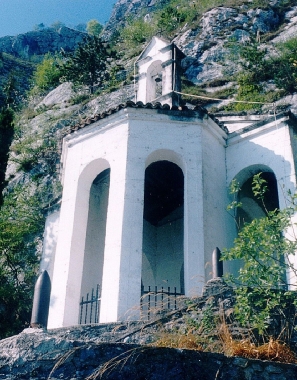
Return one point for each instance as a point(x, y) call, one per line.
point(94, 245)
point(252, 207)
point(154, 81)
point(163, 226)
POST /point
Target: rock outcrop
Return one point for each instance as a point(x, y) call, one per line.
point(41, 42)
point(126, 350)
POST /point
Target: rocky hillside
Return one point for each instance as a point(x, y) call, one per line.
point(19, 55)
point(36, 43)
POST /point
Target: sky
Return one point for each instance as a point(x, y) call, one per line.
point(20, 16)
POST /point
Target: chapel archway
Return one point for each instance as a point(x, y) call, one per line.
point(94, 244)
point(163, 226)
point(252, 207)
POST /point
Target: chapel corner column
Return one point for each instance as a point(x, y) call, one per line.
point(121, 289)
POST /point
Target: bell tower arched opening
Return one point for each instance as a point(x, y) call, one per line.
point(154, 81)
point(163, 226)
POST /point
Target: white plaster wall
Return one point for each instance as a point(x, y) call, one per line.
point(269, 146)
point(49, 243)
point(82, 163)
point(215, 195)
point(163, 255)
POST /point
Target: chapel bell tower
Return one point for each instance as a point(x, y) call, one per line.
point(159, 73)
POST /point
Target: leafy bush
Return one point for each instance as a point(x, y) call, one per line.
point(266, 253)
point(137, 32)
point(94, 28)
point(283, 68)
point(47, 74)
point(20, 222)
point(170, 18)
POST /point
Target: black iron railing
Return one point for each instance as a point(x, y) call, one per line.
point(155, 301)
point(89, 307)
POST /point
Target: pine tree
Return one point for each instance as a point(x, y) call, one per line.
point(88, 64)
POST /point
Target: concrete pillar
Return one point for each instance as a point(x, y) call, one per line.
point(121, 286)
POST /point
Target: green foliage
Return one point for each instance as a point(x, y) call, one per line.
point(39, 27)
point(266, 253)
point(249, 90)
point(256, 67)
point(20, 222)
point(94, 28)
point(170, 18)
point(80, 99)
point(88, 64)
point(47, 74)
point(137, 32)
point(57, 25)
point(283, 68)
point(34, 149)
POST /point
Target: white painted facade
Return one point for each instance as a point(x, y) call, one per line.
point(102, 235)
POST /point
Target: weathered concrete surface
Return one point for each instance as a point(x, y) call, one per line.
point(35, 354)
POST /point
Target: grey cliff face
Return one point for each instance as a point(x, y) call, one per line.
point(41, 42)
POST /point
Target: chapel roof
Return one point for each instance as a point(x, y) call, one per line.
point(140, 105)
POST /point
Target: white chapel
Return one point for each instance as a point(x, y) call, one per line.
point(145, 191)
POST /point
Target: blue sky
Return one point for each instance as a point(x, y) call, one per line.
point(20, 16)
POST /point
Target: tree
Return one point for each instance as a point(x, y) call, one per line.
point(47, 73)
point(57, 25)
point(170, 18)
point(137, 31)
point(94, 28)
point(39, 27)
point(282, 67)
point(82, 27)
point(20, 223)
point(266, 251)
point(88, 64)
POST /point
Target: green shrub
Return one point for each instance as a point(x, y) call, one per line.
point(21, 221)
point(137, 32)
point(266, 254)
point(47, 74)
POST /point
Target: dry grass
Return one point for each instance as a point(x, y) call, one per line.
point(175, 340)
point(273, 349)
